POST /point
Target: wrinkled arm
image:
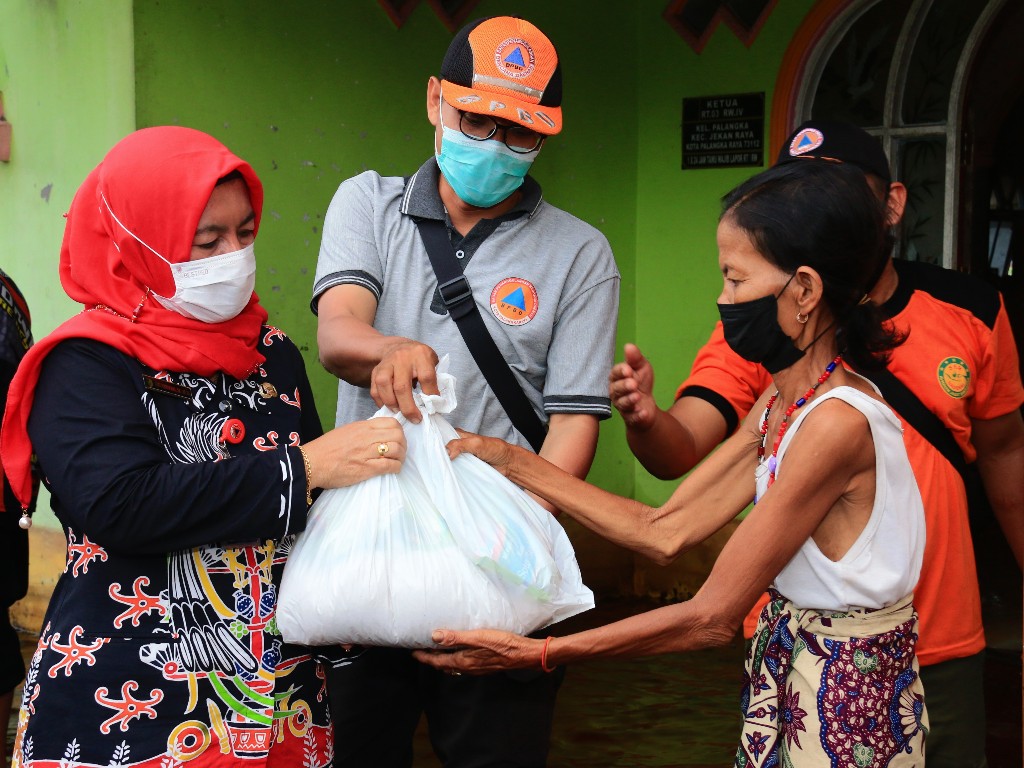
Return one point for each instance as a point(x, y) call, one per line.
point(1000, 446)
point(570, 445)
point(703, 503)
point(835, 455)
point(711, 496)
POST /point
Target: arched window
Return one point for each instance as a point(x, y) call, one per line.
point(897, 68)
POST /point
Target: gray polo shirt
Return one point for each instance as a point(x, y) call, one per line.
point(544, 281)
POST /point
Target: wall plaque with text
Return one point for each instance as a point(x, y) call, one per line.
point(723, 131)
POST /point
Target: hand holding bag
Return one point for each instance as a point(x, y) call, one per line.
point(443, 543)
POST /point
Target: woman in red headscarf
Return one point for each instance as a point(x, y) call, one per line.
point(178, 436)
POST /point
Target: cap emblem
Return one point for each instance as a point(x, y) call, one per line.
point(808, 140)
point(515, 58)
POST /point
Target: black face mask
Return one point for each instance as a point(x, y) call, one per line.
point(753, 332)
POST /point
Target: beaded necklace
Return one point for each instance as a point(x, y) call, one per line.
point(773, 461)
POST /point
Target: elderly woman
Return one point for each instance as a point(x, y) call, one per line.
point(837, 530)
point(177, 434)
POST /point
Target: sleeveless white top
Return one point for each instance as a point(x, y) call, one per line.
point(884, 562)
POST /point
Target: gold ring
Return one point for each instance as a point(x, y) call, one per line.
point(382, 449)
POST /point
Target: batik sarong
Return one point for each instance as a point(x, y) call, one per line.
point(833, 689)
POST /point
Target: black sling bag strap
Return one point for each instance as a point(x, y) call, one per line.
point(457, 297)
point(909, 406)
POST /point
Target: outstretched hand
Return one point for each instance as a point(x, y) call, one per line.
point(630, 387)
point(481, 651)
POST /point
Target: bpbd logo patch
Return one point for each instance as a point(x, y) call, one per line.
point(808, 140)
point(515, 58)
point(514, 301)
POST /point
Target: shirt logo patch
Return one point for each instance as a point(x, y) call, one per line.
point(954, 377)
point(808, 140)
point(514, 58)
point(514, 301)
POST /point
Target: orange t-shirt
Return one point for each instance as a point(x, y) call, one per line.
point(961, 361)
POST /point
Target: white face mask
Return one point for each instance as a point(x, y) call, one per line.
point(213, 289)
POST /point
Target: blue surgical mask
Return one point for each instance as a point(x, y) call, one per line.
point(482, 173)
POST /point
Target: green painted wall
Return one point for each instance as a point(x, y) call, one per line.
point(67, 79)
point(66, 75)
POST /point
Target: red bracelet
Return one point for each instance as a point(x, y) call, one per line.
point(544, 657)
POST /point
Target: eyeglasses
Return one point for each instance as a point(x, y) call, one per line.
point(515, 137)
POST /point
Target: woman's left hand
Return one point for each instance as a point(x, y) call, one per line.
point(354, 452)
point(481, 651)
point(494, 451)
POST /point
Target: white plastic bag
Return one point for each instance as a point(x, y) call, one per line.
point(450, 544)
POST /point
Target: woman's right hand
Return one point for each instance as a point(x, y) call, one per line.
point(355, 452)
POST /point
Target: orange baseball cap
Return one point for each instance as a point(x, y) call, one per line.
point(506, 68)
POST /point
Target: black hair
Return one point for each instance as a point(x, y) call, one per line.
point(824, 215)
point(235, 174)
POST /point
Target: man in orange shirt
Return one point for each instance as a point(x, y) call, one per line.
point(956, 385)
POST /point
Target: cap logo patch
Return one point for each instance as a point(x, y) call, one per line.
point(514, 301)
point(471, 98)
point(954, 377)
point(808, 140)
point(514, 58)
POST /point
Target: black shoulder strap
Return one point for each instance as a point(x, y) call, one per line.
point(457, 297)
point(909, 407)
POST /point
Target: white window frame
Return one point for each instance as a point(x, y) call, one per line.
point(891, 131)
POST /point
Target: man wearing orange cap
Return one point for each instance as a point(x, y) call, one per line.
point(540, 283)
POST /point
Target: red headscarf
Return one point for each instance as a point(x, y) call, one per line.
point(156, 182)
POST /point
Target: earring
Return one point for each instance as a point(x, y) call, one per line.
point(802, 318)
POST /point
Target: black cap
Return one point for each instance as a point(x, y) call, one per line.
point(840, 142)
